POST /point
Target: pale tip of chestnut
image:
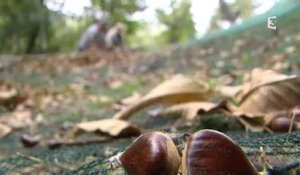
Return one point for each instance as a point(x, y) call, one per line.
point(114, 161)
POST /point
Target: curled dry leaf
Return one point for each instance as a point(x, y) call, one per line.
point(229, 91)
point(258, 77)
point(110, 127)
point(125, 102)
point(4, 130)
point(9, 96)
point(179, 89)
point(7, 93)
point(265, 92)
point(18, 119)
point(271, 97)
point(187, 111)
point(131, 99)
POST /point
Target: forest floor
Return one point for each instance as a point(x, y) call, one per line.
point(65, 89)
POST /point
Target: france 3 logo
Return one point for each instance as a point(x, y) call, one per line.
point(272, 23)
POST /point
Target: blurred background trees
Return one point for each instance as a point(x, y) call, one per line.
point(179, 23)
point(24, 26)
point(34, 26)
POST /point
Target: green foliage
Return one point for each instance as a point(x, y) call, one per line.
point(119, 11)
point(28, 26)
point(244, 7)
point(180, 16)
point(66, 32)
point(23, 26)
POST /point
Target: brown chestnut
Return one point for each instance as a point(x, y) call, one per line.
point(282, 124)
point(213, 153)
point(153, 153)
point(29, 141)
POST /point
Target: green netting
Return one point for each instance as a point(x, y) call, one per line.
point(281, 153)
point(280, 9)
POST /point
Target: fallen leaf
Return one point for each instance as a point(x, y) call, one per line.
point(229, 91)
point(258, 77)
point(9, 96)
point(18, 119)
point(7, 93)
point(111, 127)
point(4, 130)
point(179, 89)
point(125, 102)
point(271, 97)
point(188, 111)
point(131, 99)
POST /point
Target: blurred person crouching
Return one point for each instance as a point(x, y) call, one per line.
point(94, 37)
point(114, 36)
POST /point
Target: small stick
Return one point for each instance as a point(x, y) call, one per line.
point(292, 122)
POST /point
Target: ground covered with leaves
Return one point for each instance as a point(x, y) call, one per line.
point(48, 101)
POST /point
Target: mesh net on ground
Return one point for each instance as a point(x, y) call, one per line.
point(278, 153)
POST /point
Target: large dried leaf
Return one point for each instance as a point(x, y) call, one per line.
point(229, 91)
point(271, 97)
point(258, 77)
point(179, 89)
point(18, 119)
point(111, 127)
point(187, 111)
point(131, 99)
point(8, 93)
point(125, 102)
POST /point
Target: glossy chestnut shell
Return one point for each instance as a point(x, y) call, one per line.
point(209, 152)
point(282, 124)
point(153, 153)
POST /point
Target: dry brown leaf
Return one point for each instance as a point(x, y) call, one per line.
point(9, 96)
point(179, 89)
point(188, 111)
point(4, 130)
point(272, 97)
point(111, 127)
point(263, 93)
point(8, 93)
point(258, 77)
point(125, 102)
point(229, 91)
point(254, 124)
point(131, 99)
point(18, 119)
